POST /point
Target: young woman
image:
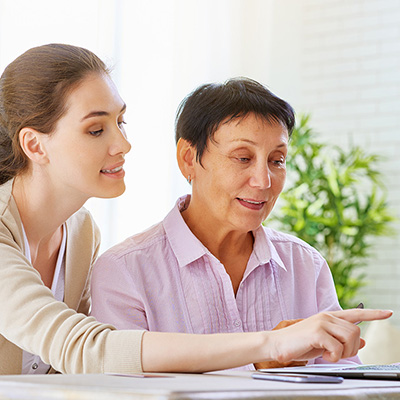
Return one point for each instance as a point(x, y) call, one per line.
point(62, 141)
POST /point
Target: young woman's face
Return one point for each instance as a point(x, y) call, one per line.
point(86, 151)
point(243, 172)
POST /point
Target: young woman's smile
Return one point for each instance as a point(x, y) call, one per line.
point(115, 172)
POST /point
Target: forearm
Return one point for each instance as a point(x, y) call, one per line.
point(333, 335)
point(180, 352)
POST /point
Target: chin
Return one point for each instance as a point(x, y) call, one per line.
point(110, 194)
point(250, 225)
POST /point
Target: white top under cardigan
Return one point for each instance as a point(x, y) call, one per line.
point(31, 363)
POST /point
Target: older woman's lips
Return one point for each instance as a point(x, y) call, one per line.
point(251, 204)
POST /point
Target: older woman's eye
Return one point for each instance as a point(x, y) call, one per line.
point(243, 159)
point(279, 162)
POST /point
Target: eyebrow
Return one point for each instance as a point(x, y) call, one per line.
point(244, 140)
point(101, 113)
point(254, 143)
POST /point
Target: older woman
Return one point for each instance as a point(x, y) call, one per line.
point(210, 266)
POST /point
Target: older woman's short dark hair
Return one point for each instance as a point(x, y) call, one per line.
point(200, 113)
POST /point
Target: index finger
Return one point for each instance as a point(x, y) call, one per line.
point(357, 314)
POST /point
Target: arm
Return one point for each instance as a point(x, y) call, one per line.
point(330, 335)
point(33, 320)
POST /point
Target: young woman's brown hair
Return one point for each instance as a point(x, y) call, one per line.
point(33, 89)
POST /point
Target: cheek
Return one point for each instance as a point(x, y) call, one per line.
point(231, 186)
point(236, 179)
point(280, 180)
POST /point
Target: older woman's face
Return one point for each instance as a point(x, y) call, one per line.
point(242, 174)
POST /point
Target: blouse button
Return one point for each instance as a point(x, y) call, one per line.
point(34, 366)
point(237, 323)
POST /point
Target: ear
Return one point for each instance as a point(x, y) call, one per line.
point(186, 156)
point(31, 143)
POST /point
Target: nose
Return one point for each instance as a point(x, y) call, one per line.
point(260, 177)
point(120, 143)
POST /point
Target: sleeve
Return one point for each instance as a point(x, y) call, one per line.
point(325, 287)
point(85, 302)
point(115, 299)
point(69, 341)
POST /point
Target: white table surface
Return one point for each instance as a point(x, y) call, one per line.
point(228, 385)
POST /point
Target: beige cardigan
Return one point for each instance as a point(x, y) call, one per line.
point(59, 332)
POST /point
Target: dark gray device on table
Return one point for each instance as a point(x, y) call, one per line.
point(297, 378)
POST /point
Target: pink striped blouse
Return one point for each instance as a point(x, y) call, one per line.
point(164, 279)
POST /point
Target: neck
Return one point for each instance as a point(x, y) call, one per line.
point(43, 208)
point(222, 242)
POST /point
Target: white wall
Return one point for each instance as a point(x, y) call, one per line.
point(24, 24)
point(345, 71)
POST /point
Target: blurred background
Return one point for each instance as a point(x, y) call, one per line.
point(337, 60)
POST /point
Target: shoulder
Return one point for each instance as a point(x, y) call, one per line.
point(82, 218)
point(139, 245)
point(10, 221)
point(82, 226)
point(287, 243)
point(279, 237)
point(5, 197)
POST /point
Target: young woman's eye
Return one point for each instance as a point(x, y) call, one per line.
point(121, 124)
point(96, 133)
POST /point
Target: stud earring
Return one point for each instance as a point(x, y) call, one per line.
point(189, 179)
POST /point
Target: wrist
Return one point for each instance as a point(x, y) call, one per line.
point(264, 351)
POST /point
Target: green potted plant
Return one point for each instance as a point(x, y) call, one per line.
point(335, 201)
